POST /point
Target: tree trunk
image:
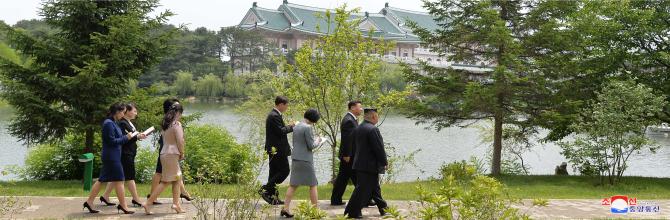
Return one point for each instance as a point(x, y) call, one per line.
point(88, 148)
point(497, 145)
point(334, 162)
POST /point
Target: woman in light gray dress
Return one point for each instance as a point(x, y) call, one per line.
point(302, 166)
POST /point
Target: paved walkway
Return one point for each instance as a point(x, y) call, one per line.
point(71, 208)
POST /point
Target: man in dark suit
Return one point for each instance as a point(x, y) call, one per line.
point(369, 162)
point(347, 126)
point(278, 149)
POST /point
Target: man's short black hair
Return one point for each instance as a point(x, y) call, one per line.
point(353, 103)
point(281, 100)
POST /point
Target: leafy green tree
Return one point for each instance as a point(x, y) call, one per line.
point(613, 127)
point(248, 50)
point(209, 86)
point(184, 84)
point(581, 45)
point(81, 69)
point(332, 70)
point(492, 32)
point(234, 86)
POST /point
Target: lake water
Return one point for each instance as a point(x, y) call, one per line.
point(437, 148)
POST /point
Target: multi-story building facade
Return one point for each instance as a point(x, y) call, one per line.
point(292, 25)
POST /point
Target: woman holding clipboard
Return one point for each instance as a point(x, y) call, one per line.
point(128, 153)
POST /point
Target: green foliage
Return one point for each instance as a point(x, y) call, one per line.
point(145, 164)
point(235, 86)
point(57, 160)
point(214, 156)
point(248, 50)
point(465, 194)
point(391, 78)
point(508, 92)
point(306, 211)
point(209, 86)
point(183, 84)
point(196, 51)
point(82, 69)
point(462, 172)
point(613, 128)
point(343, 70)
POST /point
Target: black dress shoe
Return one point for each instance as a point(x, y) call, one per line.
point(90, 210)
point(135, 203)
point(337, 203)
point(356, 217)
point(267, 198)
point(372, 203)
point(382, 211)
point(285, 214)
point(107, 203)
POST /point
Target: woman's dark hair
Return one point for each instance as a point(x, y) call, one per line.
point(170, 115)
point(168, 103)
point(130, 106)
point(114, 108)
point(312, 115)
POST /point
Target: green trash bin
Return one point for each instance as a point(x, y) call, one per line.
point(87, 159)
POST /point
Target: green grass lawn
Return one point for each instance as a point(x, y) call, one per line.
point(528, 187)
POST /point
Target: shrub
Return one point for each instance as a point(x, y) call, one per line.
point(466, 194)
point(306, 210)
point(213, 155)
point(57, 160)
point(208, 86)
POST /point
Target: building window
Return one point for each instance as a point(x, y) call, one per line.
point(393, 53)
point(438, 60)
point(429, 59)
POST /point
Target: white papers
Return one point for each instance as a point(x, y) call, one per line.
point(145, 132)
point(132, 135)
point(323, 140)
point(149, 130)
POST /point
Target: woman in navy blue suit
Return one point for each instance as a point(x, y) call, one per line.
point(112, 169)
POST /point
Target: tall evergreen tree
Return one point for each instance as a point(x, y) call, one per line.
point(78, 71)
point(474, 31)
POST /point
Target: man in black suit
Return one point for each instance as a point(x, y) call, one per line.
point(278, 149)
point(369, 162)
point(347, 126)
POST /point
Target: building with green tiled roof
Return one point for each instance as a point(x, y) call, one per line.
point(291, 25)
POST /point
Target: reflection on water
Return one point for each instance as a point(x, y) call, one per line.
point(450, 144)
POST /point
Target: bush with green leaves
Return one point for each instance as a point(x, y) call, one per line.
point(612, 128)
point(213, 155)
point(57, 160)
point(209, 86)
point(183, 83)
point(306, 210)
point(466, 194)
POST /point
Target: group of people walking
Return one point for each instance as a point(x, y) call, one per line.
point(119, 148)
point(362, 158)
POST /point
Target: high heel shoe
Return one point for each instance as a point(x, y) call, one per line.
point(107, 203)
point(90, 210)
point(285, 214)
point(155, 202)
point(174, 207)
point(119, 208)
point(136, 204)
point(185, 197)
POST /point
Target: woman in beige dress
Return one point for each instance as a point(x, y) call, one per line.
point(171, 154)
